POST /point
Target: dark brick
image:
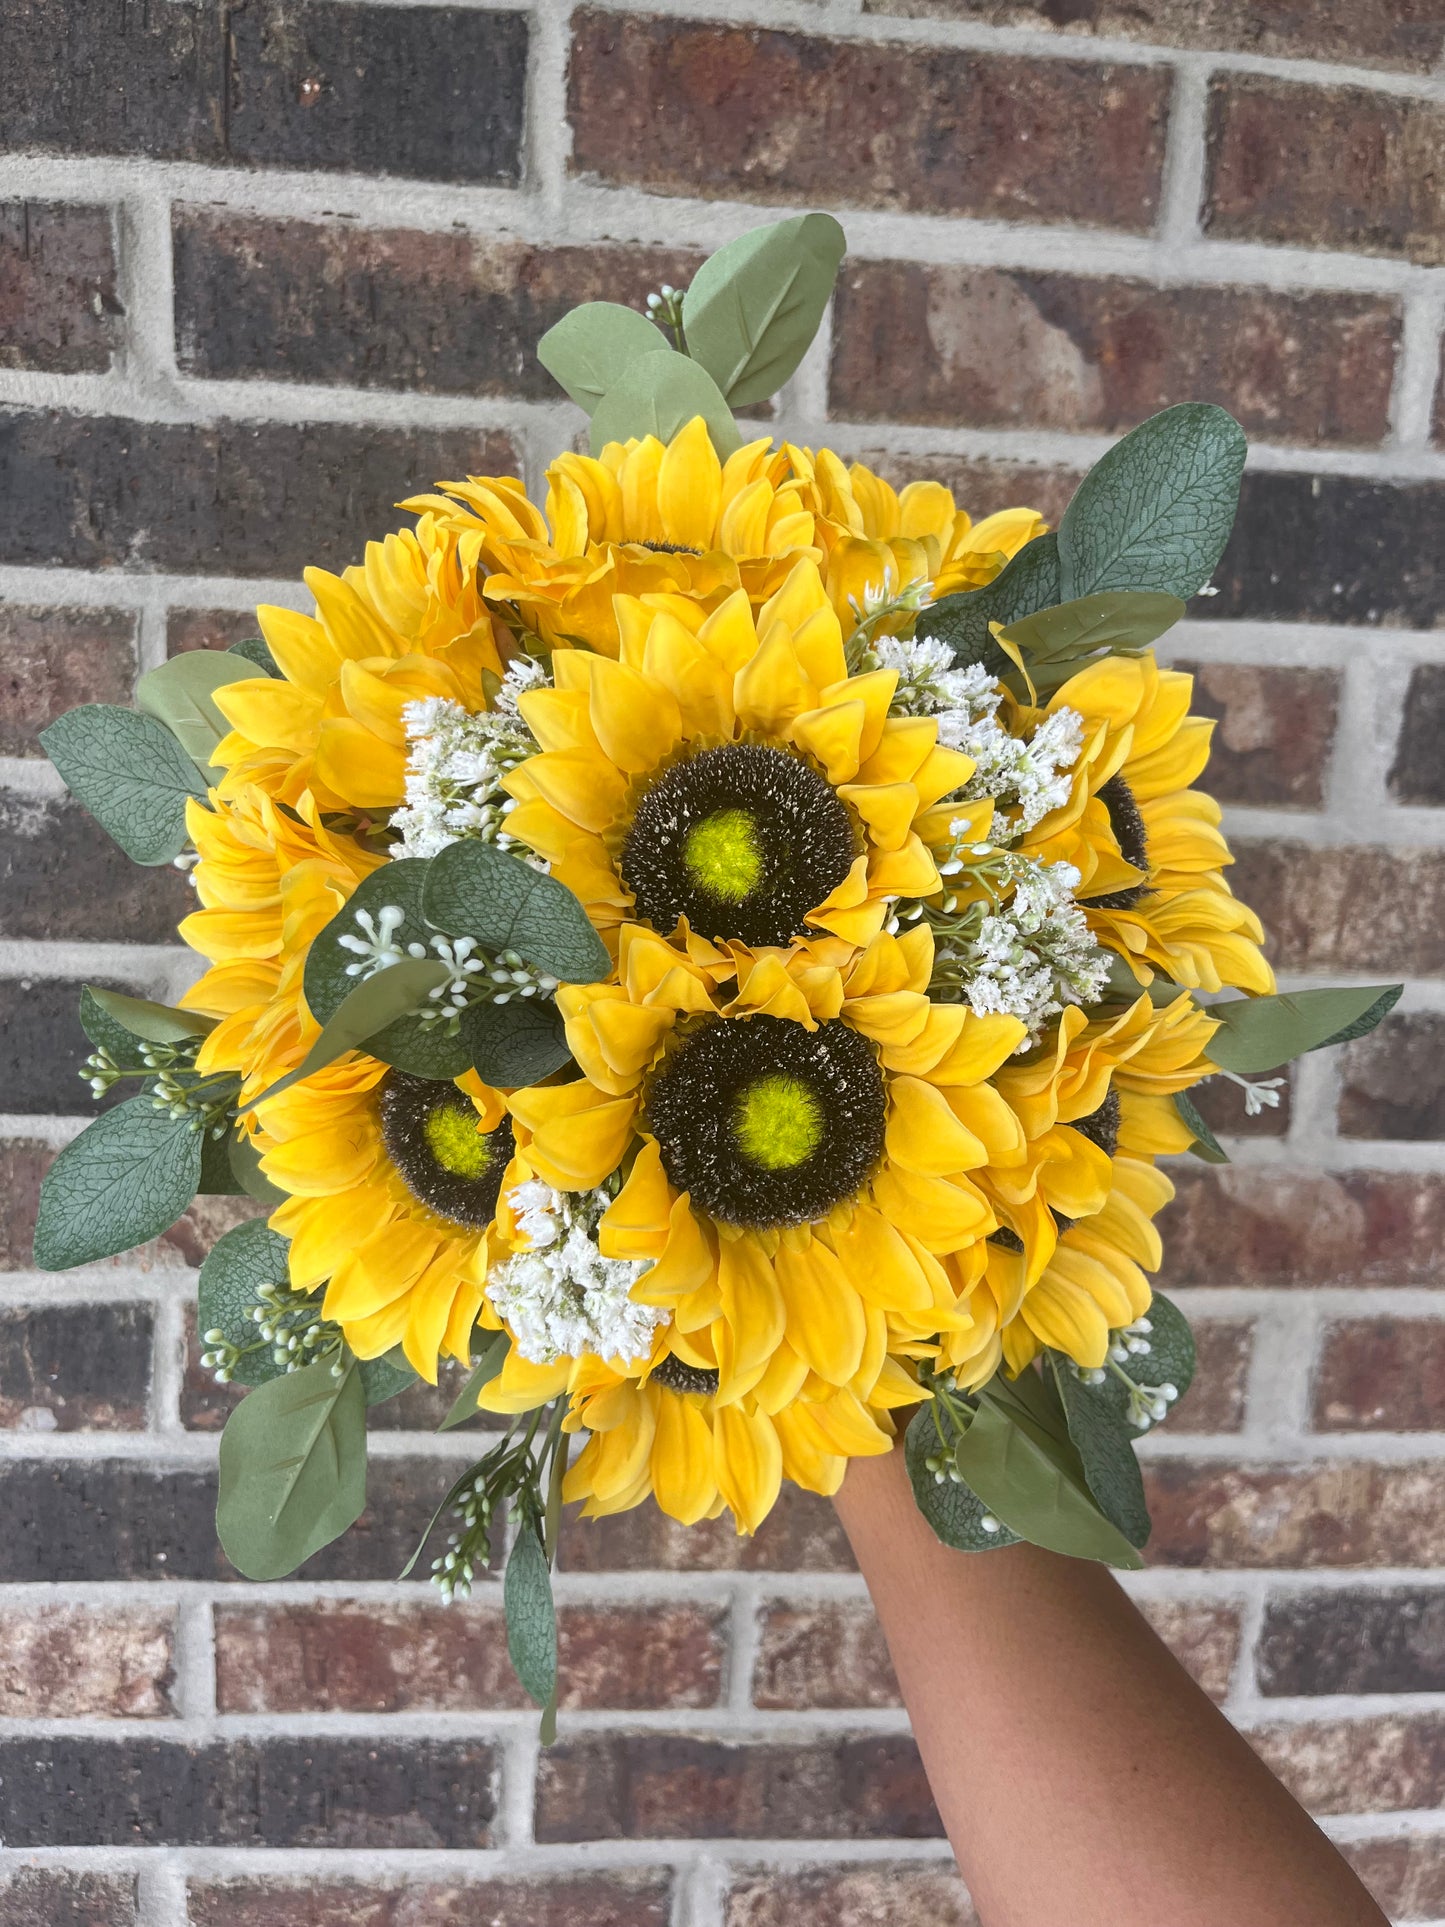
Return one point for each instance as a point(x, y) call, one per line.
point(596, 1899)
point(61, 876)
point(1392, 1763)
point(1360, 908)
point(1274, 1226)
point(1280, 1517)
point(1353, 1642)
point(368, 89)
point(660, 1786)
point(1333, 548)
point(1216, 1398)
point(75, 1368)
point(77, 1791)
point(1381, 1375)
point(1325, 167)
point(1221, 1105)
point(23, 1162)
point(1401, 34)
point(52, 659)
point(1394, 1080)
point(993, 348)
point(228, 498)
point(58, 304)
point(886, 1895)
point(324, 302)
point(87, 1661)
point(1418, 772)
point(735, 111)
point(188, 629)
point(42, 1049)
point(67, 1897)
point(800, 1534)
point(1276, 728)
point(1406, 1874)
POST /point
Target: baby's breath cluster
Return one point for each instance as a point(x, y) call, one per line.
point(455, 765)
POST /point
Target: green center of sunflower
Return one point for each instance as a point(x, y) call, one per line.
point(778, 1122)
point(431, 1136)
point(724, 856)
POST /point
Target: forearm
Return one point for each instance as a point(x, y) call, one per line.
point(1080, 1773)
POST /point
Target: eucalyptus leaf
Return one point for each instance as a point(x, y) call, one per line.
point(125, 1048)
point(493, 1357)
point(368, 1007)
point(181, 695)
point(1030, 582)
point(593, 346)
point(383, 1378)
point(477, 891)
point(1037, 1488)
point(658, 394)
point(423, 1050)
point(754, 307)
point(152, 1022)
point(1206, 1145)
point(326, 983)
point(515, 1043)
point(253, 650)
point(1104, 1440)
point(126, 1178)
point(130, 773)
point(228, 1292)
point(246, 1163)
point(531, 1615)
point(1120, 622)
point(1261, 1033)
point(293, 1469)
point(218, 1175)
point(955, 1513)
point(1156, 511)
point(1170, 1359)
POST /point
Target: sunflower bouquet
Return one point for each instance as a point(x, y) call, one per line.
point(717, 960)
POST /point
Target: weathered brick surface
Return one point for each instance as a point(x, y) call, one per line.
point(188, 629)
point(1276, 728)
point(1406, 1875)
point(78, 1791)
point(661, 1786)
point(1391, 1763)
point(1332, 1514)
point(1204, 1639)
point(992, 348)
point(800, 1534)
point(379, 89)
point(342, 1656)
point(1325, 167)
point(1417, 774)
point(74, 1368)
point(1360, 908)
point(1277, 1226)
point(826, 1655)
point(1353, 1642)
point(866, 1896)
point(794, 117)
point(233, 498)
point(1394, 1080)
point(69, 1662)
point(1381, 1375)
point(61, 876)
point(58, 304)
point(1215, 1401)
point(596, 1899)
point(52, 659)
point(43, 1047)
point(46, 1896)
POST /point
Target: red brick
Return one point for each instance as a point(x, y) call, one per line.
point(52, 659)
point(1383, 1765)
point(23, 1162)
point(1406, 1875)
point(1204, 1638)
point(827, 1655)
point(1275, 1517)
point(1402, 34)
point(58, 303)
point(663, 1786)
point(1393, 1081)
point(1381, 1375)
point(188, 629)
point(1275, 730)
point(888, 1895)
point(338, 1656)
point(1355, 909)
point(596, 1899)
point(997, 348)
point(1325, 167)
point(800, 1534)
point(66, 1897)
point(734, 111)
point(1418, 772)
point(1215, 1401)
point(90, 1661)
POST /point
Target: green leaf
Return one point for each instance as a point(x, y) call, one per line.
point(218, 1174)
point(106, 1034)
point(1261, 1033)
point(181, 695)
point(253, 650)
point(657, 395)
point(955, 1513)
point(424, 1050)
point(531, 1616)
point(130, 773)
point(477, 891)
point(1170, 1359)
point(368, 1007)
point(232, 1274)
point(517, 1043)
point(590, 349)
point(1156, 511)
point(1030, 582)
point(1037, 1488)
point(1206, 1145)
point(293, 1470)
point(383, 1378)
point(491, 1361)
point(1104, 1440)
point(1056, 643)
point(155, 1023)
point(246, 1163)
point(126, 1178)
point(755, 306)
point(326, 984)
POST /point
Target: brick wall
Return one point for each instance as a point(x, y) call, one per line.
point(263, 269)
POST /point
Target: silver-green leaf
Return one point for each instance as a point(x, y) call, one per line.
point(126, 1178)
point(531, 1616)
point(293, 1470)
point(366, 1009)
point(474, 890)
point(1028, 583)
point(181, 694)
point(516, 1043)
point(592, 347)
point(658, 394)
point(130, 773)
point(1259, 1034)
point(232, 1274)
point(155, 1023)
point(1036, 1487)
point(955, 1512)
point(754, 307)
point(493, 1358)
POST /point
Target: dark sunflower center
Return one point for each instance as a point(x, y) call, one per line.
point(1127, 823)
point(1101, 1127)
point(765, 1123)
point(743, 840)
point(431, 1136)
point(680, 1377)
